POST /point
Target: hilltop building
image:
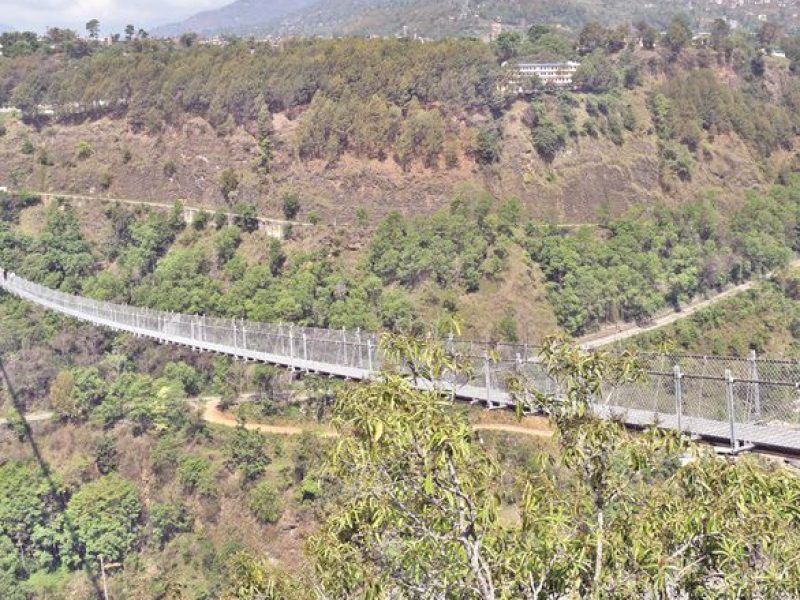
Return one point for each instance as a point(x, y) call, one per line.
point(525, 76)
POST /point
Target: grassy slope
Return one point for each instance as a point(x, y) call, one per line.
point(590, 173)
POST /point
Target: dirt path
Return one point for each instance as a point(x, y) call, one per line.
point(154, 204)
point(617, 333)
point(213, 414)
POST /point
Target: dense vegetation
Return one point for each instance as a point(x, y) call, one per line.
point(636, 265)
point(766, 319)
point(401, 99)
point(203, 269)
point(392, 17)
point(128, 475)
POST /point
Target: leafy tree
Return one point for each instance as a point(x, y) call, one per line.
point(769, 34)
point(29, 518)
point(597, 74)
point(61, 394)
point(548, 139)
point(93, 28)
point(679, 33)
point(247, 452)
point(187, 40)
point(130, 31)
point(105, 515)
point(618, 514)
point(720, 34)
point(506, 45)
point(593, 37)
point(189, 378)
point(649, 34)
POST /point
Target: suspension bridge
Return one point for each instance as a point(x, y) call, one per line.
point(744, 403)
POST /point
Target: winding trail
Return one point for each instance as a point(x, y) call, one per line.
point(618, 333)
point(214, 415)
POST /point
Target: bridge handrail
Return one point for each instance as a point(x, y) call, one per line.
point(738, 405)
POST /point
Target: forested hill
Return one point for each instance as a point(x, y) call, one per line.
point(240, 17)
point(382, 125)
point(460, 17)
point(424, 172)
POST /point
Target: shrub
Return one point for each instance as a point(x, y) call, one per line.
point(170, 168)
point(247, 452)
point(194, 473)
point(229, 183)
point(105, 455)
point(291, 206)
point(309, 490)
point(507, 330)
point(168, 520)
point(264, 502)
point(44, 158)
point(84, 150)
point(220, 219)
point(106, 179)
point(200, 220)
point(314, 218)
point(488, 146)
point(27, 147)
point(362, 217)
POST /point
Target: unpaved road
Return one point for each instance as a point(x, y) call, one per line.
point(613, 334)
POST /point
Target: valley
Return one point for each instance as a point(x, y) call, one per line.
point(264, 296)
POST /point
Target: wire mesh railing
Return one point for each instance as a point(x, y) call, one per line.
point(742, 400)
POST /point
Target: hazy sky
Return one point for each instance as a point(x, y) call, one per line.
point(113, 14)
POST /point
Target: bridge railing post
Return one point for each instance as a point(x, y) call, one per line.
point(244, 336)
point(487, 376)
point(291, 340)
point(756, 386)
point(357, 352)
point(344, 346)
point(731, 409)
point(305, 346)
point(678, 396)
point(369, 355)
